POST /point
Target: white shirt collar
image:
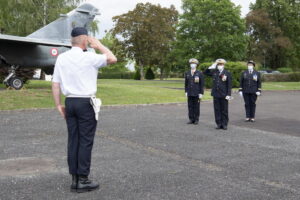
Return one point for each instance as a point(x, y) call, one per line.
point(76, 49)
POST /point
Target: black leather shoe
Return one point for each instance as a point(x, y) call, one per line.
point(74, 182)
point(190, 122)
point(196, 122)
point(218, 127)
point(224, 127)
point(86, 185)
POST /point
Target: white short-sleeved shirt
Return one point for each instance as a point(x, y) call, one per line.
point(77, 72)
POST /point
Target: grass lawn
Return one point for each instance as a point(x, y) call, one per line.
point(37, 94)
point(281, 86)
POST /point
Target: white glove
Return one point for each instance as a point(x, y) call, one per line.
point(200, 96)
point(258, 93)
point(227, 98)
point(213, 66)
point(241, 93)
point(96, 103)
point(186, 94)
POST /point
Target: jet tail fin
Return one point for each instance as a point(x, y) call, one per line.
point(60, 29)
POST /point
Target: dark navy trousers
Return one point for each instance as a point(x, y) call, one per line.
point(81, 123)
point(194, 108)
point(250, 104)
point(221, 111)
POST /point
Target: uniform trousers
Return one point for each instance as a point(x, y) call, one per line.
point(81, 124)
point(194, 108)
point(221, 111)
point(250, 104)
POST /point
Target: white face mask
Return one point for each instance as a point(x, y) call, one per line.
point(220, 67)
point(250, 67)
point(193, 66)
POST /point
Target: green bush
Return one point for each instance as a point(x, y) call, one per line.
point(235, 68)
point(137, 75)
point(149, 74)
point(116, 75)
point(286, 77)
point(285, 70)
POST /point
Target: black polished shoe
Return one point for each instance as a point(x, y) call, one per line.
point(190, 122)
point(224, 127)
point(218, 127)
point(86, 185)
point(196, 122)
point(74, 182)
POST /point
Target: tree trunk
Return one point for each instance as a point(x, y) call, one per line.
point(142, 71)
point(161, 74)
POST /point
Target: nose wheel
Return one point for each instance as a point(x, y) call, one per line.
point(12, 80)
point(16, 83)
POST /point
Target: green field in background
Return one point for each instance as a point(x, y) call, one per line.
point(37, 94)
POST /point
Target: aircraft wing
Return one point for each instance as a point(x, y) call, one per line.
point(16, 39)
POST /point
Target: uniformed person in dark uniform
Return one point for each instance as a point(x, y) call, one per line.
point(221, 92)
point(194, 83)
point(250, 88)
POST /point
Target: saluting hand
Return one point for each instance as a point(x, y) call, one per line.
point(94, 43)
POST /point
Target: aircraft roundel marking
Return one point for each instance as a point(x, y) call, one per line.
point(54, 52)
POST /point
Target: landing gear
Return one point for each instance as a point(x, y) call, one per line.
point(12, 80)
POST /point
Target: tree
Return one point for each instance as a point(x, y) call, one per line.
point(22, 17)
point(116, 47)
point(149, 74)
point(209, 29)
point(273, 26)
point(147, 33)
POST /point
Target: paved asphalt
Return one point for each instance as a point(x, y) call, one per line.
point(149, 152)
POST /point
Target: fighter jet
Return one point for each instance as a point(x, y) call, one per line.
point(41, 48)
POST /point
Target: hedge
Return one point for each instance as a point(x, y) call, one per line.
point(116, 75)
point(286, 77)
point(235, 68)
point(285, 70)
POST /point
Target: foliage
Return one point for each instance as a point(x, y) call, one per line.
point(116, 47)
point(147, 33)
point(285, 70)
point(116, 75)
point(17, 18)
point(208, 30)
point(273, 27)
point(286, 77)
point(235, 68)
point(149, 74)
point(137, 75)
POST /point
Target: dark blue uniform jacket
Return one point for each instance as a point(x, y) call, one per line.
point(222, 82)
point(250, 83)
point(194, 84)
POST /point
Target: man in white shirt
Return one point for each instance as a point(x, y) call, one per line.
point(75, 75)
